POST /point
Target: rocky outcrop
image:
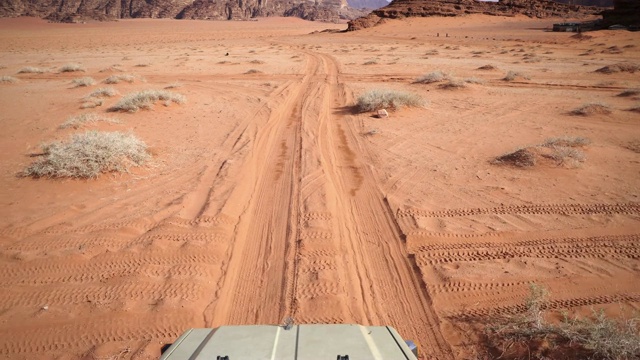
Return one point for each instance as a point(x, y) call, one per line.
point(598, 3)
point(625, 12)
point(425, 8)
point(78, 10)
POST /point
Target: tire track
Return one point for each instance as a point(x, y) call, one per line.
point(559, 209)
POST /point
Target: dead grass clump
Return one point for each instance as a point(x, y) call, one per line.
point(514, 75)
point(8, 80)
point(619, 67)
point(88, 155)
point(31, 70)
point(436, 76)
point(377, 99)
point(634, 146)
point(592, 109)
point(473, 80)
point(432, 52)
point(91, 103)
point(114, 79)
point(453, 84)
point(83, 81)
point(253, 71)
point(487, 67)
point(145, 100)
point(173, 85)
point(629, 93)
point(520, 158)
point(529, 335)
point(370, 62)
point(103, 92)
point(82, 119)
point(567, 141)
point(72, 68)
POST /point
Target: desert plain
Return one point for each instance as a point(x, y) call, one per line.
point(269, 195)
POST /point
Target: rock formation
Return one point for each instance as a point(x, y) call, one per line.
point(425, 8)
point(625, 12)
point(78, 10)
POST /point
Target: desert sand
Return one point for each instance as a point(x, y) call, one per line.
point(269, 196)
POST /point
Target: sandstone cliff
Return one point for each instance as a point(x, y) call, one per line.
point(425, 8)
point(77, 10)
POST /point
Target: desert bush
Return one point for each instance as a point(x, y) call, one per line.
point(619, 67)
point(432, 77)
point(88, 155)
point(629, 93)
point(592, 109)
point(567, 141)
point(473, 80)
point(91, 103)
point(31, 70)
point(8, 80)
point(102, 92)
point(392, 99)
point(487, 67)
point(114, 79)
point(522, 157)
point(454, 84)
point(82, 119)
point(597, 337)
point(83, 81)
point(145, 100)
point(173, 85)
point(72, 68)
point(513, 75)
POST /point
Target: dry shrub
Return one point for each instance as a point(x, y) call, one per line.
point(103, 92)
point(8, 80)
point(592, 109)
point(253, 71)
point(520, 158)
point(619, 67)
point(634, 146)
point(31, 70)
point(432, 77)
point(72, 68)
point(257, 62)
point(114, 79)
point(453, 84)
point(145, 100)
point(370, 62)
point(567, 141)
point(635, 109)
point(82, 119)
point(88, 155)
point(388, 99)
point(473, 80)
point(432, 52)
point(529, 335)
point(487, 67)
point(629, 93)
point(514, 75)
point(83, 81)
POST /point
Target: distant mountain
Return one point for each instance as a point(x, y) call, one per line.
point(367, 4)
point(425, 8)
point(78, 10)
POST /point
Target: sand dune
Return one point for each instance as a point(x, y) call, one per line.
point(270, 197)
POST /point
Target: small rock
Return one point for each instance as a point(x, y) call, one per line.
point(382, 113)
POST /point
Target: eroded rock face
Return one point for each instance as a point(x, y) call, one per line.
point(625, 12)
point(78, 10)
point(426, 8)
